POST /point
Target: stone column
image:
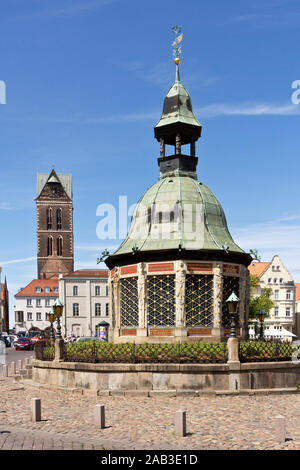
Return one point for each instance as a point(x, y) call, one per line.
point(162, 147)
point(218, 287)
point(180, 323)
point(142, 293)
point(244, 274)
point(178, 144)
point(116, 287)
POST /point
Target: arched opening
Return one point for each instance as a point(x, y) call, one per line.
point(59, 246)
point(59, 219)
point(50, 246)
point(49, 218)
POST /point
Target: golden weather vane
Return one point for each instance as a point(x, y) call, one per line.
point(177, 30)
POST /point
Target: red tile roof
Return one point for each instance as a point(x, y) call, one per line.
point(257, 269)
point(29, 290)
point(89, 273)
point(297, 291)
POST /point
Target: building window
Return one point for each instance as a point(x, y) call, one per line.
point(29, 302)
point(75, 290)
point(269, 281)
point(276, 310)
point(50, 246)
point(29, 316)
point(199, 296)
point(75, 310)
point(55, 289)
point(47, 316)
point(161, 300)
point(275, 280)
point(288, 312)
point(278, 268)
point(47, 302)
point(97, 290)
point(129, 302)
point(288, 295)
point(38, 289)
point(107, 309)
point(281, 280)
point(19, 317)
point(47, 290)
point(276, 294)
point(59, 242)
point(97, 310)
point(38, 302)
point(59, 219)
point(38, 316)
point(49, 218)
point(106, 290)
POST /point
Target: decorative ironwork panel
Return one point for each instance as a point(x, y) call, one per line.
point(199, 292)
point(161, 300)
point(230, 284)
point(180, 353)
point(129, 302)
point(265, 351)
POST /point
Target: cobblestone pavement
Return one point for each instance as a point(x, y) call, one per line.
point(221, 422)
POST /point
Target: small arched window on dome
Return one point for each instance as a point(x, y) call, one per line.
point(49, 218)
point(49, 246)
point(59, 246)
point(59, 219)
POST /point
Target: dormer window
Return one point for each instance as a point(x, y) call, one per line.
point(38, 289)
point(47, 290)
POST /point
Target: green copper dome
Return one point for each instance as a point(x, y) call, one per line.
point(185, 214)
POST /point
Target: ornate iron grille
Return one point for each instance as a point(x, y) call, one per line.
point(161, 300)
point(230, 284)
point(199, 293)
point(185, 353)
point(265, 351)
point(129, 303)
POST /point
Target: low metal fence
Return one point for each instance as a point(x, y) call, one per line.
point(44, 350)
point(186, 353)
point(265, 351)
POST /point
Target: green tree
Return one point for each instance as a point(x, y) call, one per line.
point(260, 302)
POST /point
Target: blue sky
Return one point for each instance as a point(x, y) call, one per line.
point(85, 85)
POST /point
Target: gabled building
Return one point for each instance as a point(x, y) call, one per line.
point(54, 213)
point(34, 303)
point(275, 276)
point(84, 294)
point(297, 308)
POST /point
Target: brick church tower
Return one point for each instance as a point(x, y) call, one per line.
point(54, 212)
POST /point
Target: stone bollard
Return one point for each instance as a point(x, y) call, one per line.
point(20, 365)
point(280, 428)
point(234, 364)
point(13, 368)
point(99, 416)
point(35, 409)
point(180, 423)
point(26, 362)
point(4, 371)
point(59, 350)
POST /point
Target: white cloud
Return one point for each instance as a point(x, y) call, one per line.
point(248, 109)
point(278, 237)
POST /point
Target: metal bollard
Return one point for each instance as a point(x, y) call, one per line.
point(280, 428)
point(4, 371)
point(13, 368)
point(35, 408)
point(180, 423)
point(99, 416)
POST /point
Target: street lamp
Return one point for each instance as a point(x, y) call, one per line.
point(58, 310)
point(232, 303)
point(261, 316)
point(51, 319)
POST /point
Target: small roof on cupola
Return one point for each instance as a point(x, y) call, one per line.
point(177, 115)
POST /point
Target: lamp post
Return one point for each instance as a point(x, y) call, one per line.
point(58, 310)
point(232, 303)
point(51, 319)
point(261, 316)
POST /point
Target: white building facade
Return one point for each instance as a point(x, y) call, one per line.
point(33, 304)
point(274, 275)
point(84, 294)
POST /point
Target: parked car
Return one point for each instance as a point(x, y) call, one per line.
point(23, 343)
point(5, 341)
